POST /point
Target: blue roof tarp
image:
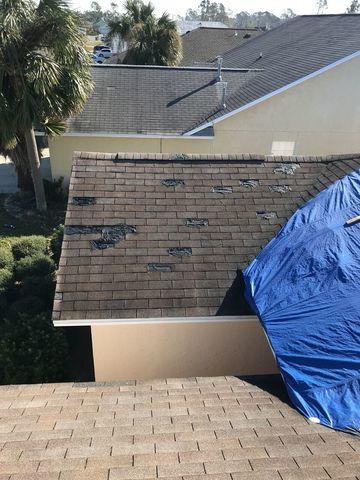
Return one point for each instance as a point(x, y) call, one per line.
point(305, 288)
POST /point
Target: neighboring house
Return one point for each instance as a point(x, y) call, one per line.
point(293, 90)
point(151, 251)
point(202, 45)
point(185, 26)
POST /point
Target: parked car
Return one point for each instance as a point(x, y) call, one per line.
point(105, 53)
point(98, 48)
point(97, 59)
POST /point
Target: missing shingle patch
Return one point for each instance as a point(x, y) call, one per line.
point(110, 234)
point(279, 188)
point(179, 156)
point(179, 251)
point(249, 183)
point(222, 190)
point(197, 222)
point(266, 215)
point(83, 201)
point(173, 182)
point(287, 168)
point(159, 267)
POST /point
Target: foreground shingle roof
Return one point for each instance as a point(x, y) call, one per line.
point(202, 45)
point(219, 428)
point(290, 52)
point(145, 100)
point(177, 228)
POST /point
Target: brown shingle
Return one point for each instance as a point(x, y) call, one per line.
point(159, 263)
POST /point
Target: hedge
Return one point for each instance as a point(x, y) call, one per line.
point(6, 258)
point(29, 246)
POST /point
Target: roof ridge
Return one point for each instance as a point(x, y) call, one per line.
point(166, 67)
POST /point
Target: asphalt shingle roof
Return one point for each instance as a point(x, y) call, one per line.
point(218, 428)
point(202, 45)
point(139, 99)
point(177, 228)
point(290, 52)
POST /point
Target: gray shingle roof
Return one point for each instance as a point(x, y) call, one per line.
point(290, 52)
point(176, 228)
point(203, 45)
point(167, 100)
point(140, 99)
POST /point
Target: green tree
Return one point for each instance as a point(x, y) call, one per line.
point(322, 5)
point(151, 40)
point(354, 7)
point(44, 76)
point(209, 11)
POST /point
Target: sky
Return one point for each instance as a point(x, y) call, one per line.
point(179, 7)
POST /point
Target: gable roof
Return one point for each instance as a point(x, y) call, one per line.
point(153, 235)
point(290, 52)
point(153, 100)
point(202, 45)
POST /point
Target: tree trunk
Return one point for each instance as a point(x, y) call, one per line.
point(20, 159)
point(34, 162)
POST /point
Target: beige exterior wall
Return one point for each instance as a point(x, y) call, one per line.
point(123, 352)
point(321, 115)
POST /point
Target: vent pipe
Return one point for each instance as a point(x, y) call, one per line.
point(219, 68)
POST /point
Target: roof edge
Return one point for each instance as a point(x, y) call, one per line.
point(274, 93)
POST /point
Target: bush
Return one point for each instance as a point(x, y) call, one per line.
point(6, 278)
point(54, 190)
point(30, 305)
point(29, 246)
point(42, 287)
point(36, 266)
point(6, 258)
point(32, 350)
point(56, 242)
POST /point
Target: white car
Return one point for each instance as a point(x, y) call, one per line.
point(105, 53)
point(97, 59)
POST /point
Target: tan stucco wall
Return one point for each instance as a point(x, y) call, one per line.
point(321, 115)
point(123, 352)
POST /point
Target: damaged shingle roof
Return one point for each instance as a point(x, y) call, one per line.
point(202, 45)
point(166, 234)
point(145, 100)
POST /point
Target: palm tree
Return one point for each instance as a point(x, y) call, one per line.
point(151, 40)
point(44, 77)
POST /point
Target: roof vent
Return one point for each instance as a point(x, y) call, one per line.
point(219, 68)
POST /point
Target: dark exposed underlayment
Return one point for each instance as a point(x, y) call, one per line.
point(222, 190)
point(287, 168)
point(266, 215)
point(83, 201)
point(249, 183)
point(173, 182)
point(197, 222)
point(110, 234)
point(179, 251)
point(279, 188)
point(159, 267)
point(179, 156)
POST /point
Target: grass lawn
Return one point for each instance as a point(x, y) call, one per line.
point(31, 224)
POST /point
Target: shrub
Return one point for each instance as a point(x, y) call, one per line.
point(42, 287)
point(5, 280)
point(32, 350)
point(30, 305)
point(56, 242)
point(6, 258)
point(54, 190)
point(36, 266)
point(29, 246)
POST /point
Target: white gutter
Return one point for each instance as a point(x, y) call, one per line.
point(153, 321)
point(275, 92)
point(132, 135)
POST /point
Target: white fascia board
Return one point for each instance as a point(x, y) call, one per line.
point(272, 94)
point(153, 321)
point(132, 135)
